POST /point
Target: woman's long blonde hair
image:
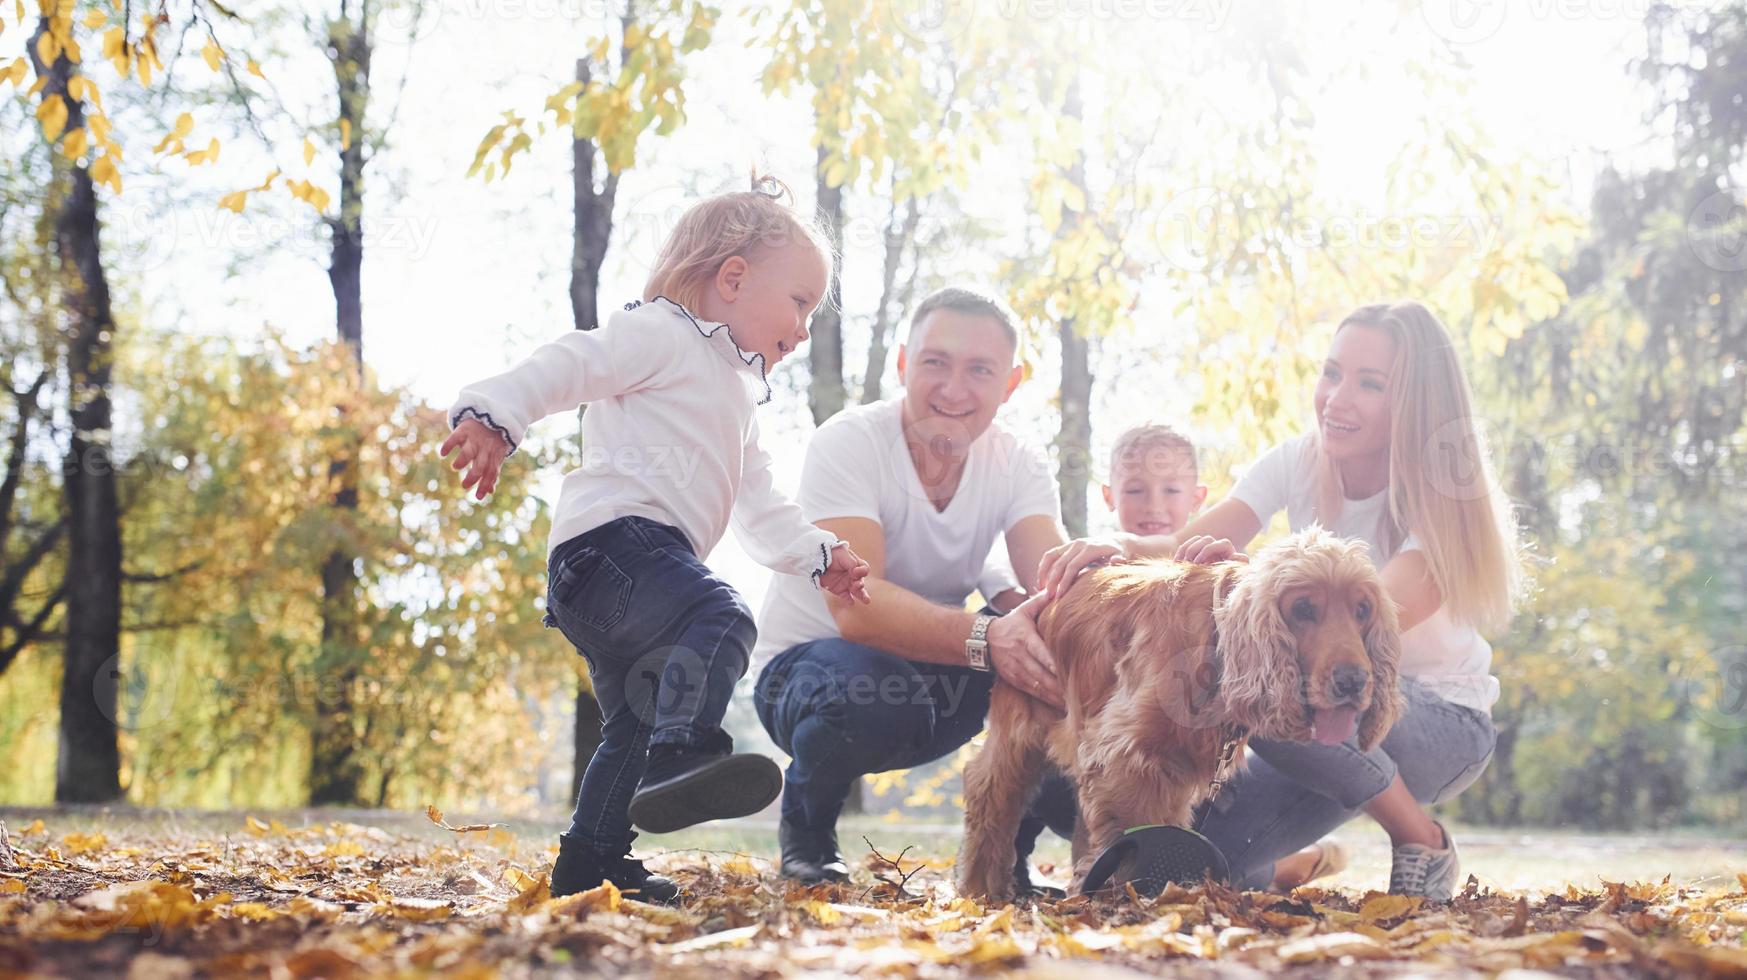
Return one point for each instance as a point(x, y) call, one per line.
point(1442, 487)
point(744, 223)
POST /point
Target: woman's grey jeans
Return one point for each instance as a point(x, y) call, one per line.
point(1291, 794)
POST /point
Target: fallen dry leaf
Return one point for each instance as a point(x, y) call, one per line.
point(436, 817)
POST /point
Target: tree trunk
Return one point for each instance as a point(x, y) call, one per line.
point(336, 770)
point(825, 353)
point(893, 301)
point(1075, 438)
point(1074, 441)
point(594, 225)
point(593, 230)
point(89, 766)
point(22, 627)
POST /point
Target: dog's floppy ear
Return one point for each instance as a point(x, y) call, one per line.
point(1383, 649)
point(1259, 656)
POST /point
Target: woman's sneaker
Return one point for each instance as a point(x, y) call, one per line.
point(1426, 872)
point(580, 867)
point(683, 785)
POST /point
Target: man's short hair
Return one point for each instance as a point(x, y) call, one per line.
point(969, 301)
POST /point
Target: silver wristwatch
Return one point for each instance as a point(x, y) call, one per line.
point(976, 649)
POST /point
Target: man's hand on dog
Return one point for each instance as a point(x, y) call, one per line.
point(1019, 655)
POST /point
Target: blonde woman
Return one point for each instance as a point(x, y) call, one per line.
point(1395, 460)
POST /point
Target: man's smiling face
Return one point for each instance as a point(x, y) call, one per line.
point(957, 369)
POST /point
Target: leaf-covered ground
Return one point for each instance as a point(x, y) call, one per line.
point(89, 894)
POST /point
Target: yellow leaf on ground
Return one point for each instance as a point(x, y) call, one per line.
point(536, 894)
point(318, 198)
point(309, 157)
point(606, 898)
point(77, 843)
point(417, 909)
point(1381, 908)
point(322, 962)
point(740, 865)
point(1314, 949)
point(213, 54)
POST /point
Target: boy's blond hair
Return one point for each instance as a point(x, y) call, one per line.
point(1141, 444)
point(744, 223)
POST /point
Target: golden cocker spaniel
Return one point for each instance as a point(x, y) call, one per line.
point(1167, 669)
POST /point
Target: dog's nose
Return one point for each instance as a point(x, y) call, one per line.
point(1349, 681)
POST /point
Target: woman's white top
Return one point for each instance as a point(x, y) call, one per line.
point(670, 433)
point(1451, 658)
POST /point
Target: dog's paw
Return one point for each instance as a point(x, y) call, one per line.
point(985, 888)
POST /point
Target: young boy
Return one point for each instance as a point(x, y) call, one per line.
point(1154, 488)
point(1154, 483)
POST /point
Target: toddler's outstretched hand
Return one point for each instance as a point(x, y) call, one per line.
point(846, 576)
point(482, 452)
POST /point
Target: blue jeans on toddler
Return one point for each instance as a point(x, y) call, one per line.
point(665, 640)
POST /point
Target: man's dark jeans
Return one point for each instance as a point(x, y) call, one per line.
point(666, 641)
point(843, 710)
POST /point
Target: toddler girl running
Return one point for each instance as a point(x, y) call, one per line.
point(671, 459)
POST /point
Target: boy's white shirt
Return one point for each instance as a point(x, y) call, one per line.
point(670, 433)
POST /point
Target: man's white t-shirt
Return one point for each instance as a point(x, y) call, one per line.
point(1451, 658)
point(858, 466)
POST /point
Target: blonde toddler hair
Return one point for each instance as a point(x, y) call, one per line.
point(746, 223)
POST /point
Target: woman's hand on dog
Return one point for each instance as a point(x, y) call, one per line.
point(1019, 655)
point(1204, 549)
point(1064, 563)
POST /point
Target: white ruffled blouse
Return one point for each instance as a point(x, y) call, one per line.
point(670, 433)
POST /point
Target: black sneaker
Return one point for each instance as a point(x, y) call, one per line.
point(683, 786)
point(580, 867)
point(810, 856)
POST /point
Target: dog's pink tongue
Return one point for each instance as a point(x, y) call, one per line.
point(1336, 725)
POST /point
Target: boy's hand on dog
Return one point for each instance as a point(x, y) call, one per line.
point(1064, 563)
point(1204, 549)
point(846, 577)
point(1019, 655)
point(482, 451)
